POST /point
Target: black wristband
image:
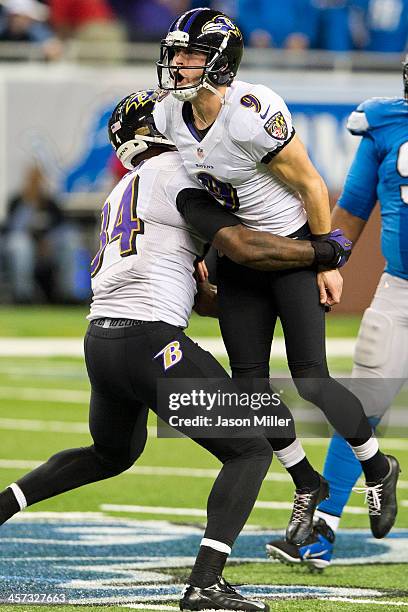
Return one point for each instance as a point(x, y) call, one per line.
point(316, 237)
point(204, 213)
point(326, 254)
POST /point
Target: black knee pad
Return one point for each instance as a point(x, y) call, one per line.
point(250, 370)
point(238, 449)
point(311, 389)
point(311, 382)
point(255, 449)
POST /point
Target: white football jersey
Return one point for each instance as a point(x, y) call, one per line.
point(145, 264)
point(230, 161)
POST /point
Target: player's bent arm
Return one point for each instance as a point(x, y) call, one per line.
point(292, 165)
point(259, 250)
point(351, 225)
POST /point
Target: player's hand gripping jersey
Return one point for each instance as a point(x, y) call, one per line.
point(383, 124)
point(140, 220)
point(230, 160)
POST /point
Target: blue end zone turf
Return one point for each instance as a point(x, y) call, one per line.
point(96, 559)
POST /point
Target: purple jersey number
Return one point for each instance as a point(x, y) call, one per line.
point(125, 229)
point(127, 226)
point(221, 191)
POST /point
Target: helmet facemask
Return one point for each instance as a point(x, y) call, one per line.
point(405, 76)
point(214, 71)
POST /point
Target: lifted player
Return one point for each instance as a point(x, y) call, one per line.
point(237, 140)
point(379, 171)
point(143, 285)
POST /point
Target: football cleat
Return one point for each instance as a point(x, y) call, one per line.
point(304, 505)
point(219, 596)
point(316, 552)
point(381, 498)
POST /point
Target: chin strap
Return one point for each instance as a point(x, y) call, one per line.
point(214, 90)
point(189, 94)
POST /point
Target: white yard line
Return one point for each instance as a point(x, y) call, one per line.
point(73, 347)
point(380, 602)
point(72, 396)
point(41, 347)
point(35, 425)
point(44, 368)
point(82, 427)
point(149, 607)
point(168, 510)
point(153, 510)
point(184, 472)
point(35, 394)
point(385, 443)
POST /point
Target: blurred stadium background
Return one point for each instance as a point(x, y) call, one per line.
point(63, 66)
point(65, 63)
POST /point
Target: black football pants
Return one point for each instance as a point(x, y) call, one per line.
point(250, 302)
point(123, 374)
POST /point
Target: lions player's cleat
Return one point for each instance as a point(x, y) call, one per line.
point(381, 497)
point(219, 596)
point(304, 505)
point(316, 552)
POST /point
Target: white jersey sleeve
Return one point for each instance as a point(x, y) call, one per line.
point(265, 132)
point(162, 108)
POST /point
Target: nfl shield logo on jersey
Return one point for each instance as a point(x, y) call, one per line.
point(200, 152)
point(277, 127)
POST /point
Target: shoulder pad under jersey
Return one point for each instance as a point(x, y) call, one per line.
point(374, 113)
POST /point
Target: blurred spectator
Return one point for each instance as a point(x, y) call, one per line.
point(334, 20)
point(148, 20)
point(23, 21)
point(88, 21)
point(39, 246)
point(289, 24)
point(381, 25)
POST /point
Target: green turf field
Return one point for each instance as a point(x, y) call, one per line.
point(43, 409)
point(63, 321)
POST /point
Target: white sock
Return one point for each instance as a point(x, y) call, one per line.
point(216, 545)
point(19, 495)
point(367, 450)
point(332, 521)
point(291, 455)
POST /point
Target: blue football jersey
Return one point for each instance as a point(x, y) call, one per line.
point(380, 172)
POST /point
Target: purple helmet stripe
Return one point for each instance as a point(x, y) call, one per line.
point(192, 18)
point(176, 23)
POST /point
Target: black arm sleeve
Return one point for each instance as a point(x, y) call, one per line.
point(204, 213)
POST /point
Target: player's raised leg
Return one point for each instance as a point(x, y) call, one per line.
point(381, 366)
point(304, 337)
point(245, 304)
point(380, 369)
